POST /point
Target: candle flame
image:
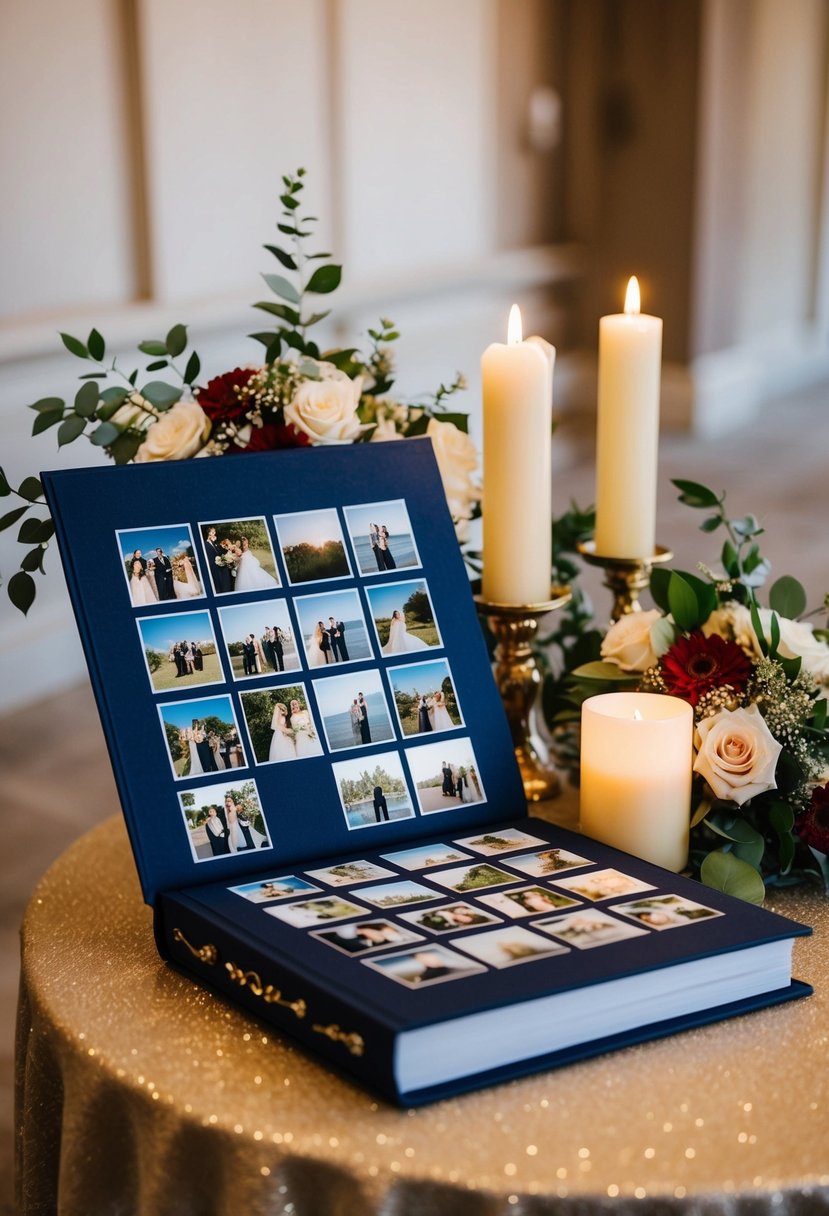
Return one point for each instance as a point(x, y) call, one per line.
point(632, 297)
point(637, 717)
point(514, 329)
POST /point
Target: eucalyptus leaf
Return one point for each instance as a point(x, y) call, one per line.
point(104, 435)
point(279, 310)
point(74, 346)
point(5, 488)
point(682, 600)
point(30, 489)
point(70, 429)
point(725, 872)
point(176, 341)
point(730, 560)
point(161, 394)
point(33, 560)
point(96, 345)
point(695, 495)
point(192, 369)
point(153, 347)
point(11, 517)
point(125, 447)
point(32, 532)
point(282, 287)
point(22, 591)
point(604, 671)
point(710, 524)
point(324, 279)
point(86, 399)
point(114, 396)
point(44, 421)
point(787, 597)
point(282, 255)
point(158, 365)
point(307, 322)
point(47, 405)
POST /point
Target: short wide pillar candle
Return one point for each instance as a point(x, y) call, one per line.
point(636, 760)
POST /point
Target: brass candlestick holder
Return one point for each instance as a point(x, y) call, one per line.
point(626, 577)
point(517, 676)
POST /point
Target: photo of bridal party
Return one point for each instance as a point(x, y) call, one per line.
point(259, 638)
point(312, 545)
point(333, 628)
point(180, 650)
point(445, 775)
point(280, 724)
point(353, 710)
point(223, 819)
point(239, 555)
point(403, 617)
point(424, 697)
point(160, 565)
point(381, 536)
point(373, 790)
point(202, 736)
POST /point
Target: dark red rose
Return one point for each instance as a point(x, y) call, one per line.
point(696, 664)
point(812, 826)
point(270, 438)
point(219, 398)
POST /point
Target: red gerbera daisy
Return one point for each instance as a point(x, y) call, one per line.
point(219, 398)
point(696, 664)
point(812, 826)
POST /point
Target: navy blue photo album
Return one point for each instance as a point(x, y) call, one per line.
point(321, 790)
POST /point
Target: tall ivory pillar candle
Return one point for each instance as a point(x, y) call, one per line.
point(627, 436)
point(517, 502)
point(636, 759)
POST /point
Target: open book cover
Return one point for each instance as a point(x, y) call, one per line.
point(321, 791)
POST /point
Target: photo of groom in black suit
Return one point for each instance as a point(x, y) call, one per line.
point(221, 574)
point(278, 648)
point(365, 729)
point(164, 575)
point(336, 632)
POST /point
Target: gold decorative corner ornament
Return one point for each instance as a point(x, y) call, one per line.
point(352, 1041)
point(205, 954)
point(272, 996)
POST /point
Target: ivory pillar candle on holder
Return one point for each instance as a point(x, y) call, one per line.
point(627, 436)
point(517, 504)
point(636, 759)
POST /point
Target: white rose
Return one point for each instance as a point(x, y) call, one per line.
point(732, 621)
point(736, 754)
point(177, 434)
point(628, 644)
point(384, 431)
point(326, 409)
point(457, 460)
point(797, 641)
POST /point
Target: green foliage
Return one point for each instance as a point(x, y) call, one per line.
point(726, 872)
point(306, 562)
point(258, 708)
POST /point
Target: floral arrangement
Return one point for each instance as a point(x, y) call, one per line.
point(296, 395)
point(757, 678)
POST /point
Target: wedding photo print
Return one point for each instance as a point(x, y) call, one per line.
point(424, 697)
point(333, 628)
point(445, 775)
point(353, 710)
point(366, 935)
point(224, 818)
point(381, 536)
point(201, 736)
point(280, 724)
point(271, 889)
point(160, 565)
point(429, 965)
point(373, 790)
point(403, 617)
point(239, 555)
point(180, 650)
point(259, 638)
point(312, 546)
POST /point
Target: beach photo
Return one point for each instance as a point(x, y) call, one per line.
point(239, 555)
point(404, 618)
point(527, 901)
point(259, 638)
point(365, 936)
point(321, 911)
point(372, 790)
point(398, 894)
point(381, 536)
point(450, 918)
point(280, 724)
point(665, 911)
point(429, 965)
point(506, 947)
point(588, 928)
point(353, 710)
point(424, 856)
point(603, 884)
point(224, 818)
point(160, 565)
point(479, 877)
point(202, 736)
point(347, 872)
point(333, 628)
point(287, 886)
point(500, 840)
point(312, 546)
point(445, 775)
point(425, 698)
point(548, 861)
point(179, 650)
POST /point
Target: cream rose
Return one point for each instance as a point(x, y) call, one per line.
point(177, 434)
point(736, 754)
point(384, 431)
point(732, 621)
point(326, 409)
point(797, 641)
point(628, 643)
point(457, 459)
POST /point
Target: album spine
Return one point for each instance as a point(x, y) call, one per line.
point(278, 993)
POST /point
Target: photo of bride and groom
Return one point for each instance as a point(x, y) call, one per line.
point(445, 775)
point(382, 538)
point(259, 638)
point(202, 736)
point(179, 650)
point(160, 565)
point(223, 820)
point(239, 555)
point(424, 696)
point(403, 617)
point(280, 725)
point(353, 710)
point(333, 628)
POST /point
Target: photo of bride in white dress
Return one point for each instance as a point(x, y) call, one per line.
point(280, 724)
point(403, 617)
point(400, 640)
point(333, 628)
point(223, 819)
point(425, 697)
point(249, 573)
point(160, 565)
point(185, 583)
point(239, 555)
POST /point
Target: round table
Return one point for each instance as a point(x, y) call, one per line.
point(141, 1093)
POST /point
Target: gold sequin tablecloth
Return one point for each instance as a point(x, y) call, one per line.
point(140, 1093)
